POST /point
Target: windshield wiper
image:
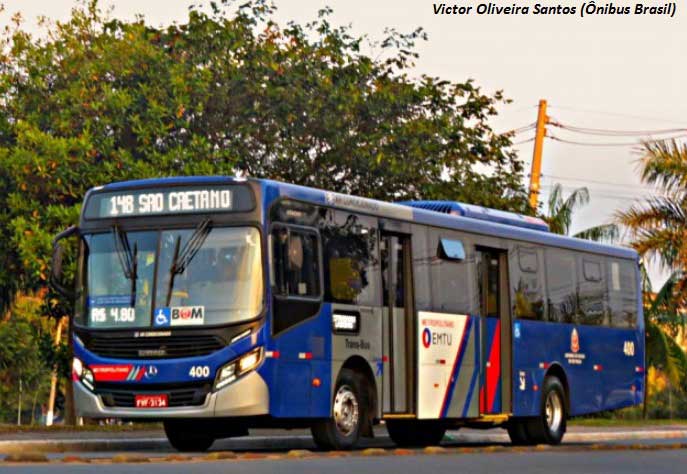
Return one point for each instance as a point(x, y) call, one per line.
point(127, 258)
point(182, 258)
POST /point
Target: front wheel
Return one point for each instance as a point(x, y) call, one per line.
point(349, 409)
point(185, 438)
point(408, 433)
point(550, 426)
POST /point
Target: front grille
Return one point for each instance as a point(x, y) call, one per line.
point(128, 347)
point(123, 396)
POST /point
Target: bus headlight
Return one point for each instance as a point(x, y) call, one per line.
point(82, 373)
point(238, 367)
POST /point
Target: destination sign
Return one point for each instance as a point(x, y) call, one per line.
point(173, 200)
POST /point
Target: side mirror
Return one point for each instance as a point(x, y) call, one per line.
point(57, 257)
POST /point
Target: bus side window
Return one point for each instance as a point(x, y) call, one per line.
point(528, 298)
point(592, 310)
point(351, 266)
point(450, 278)
point(561, 286)
point(296, 263)
point(295, 276)
point(622, 293)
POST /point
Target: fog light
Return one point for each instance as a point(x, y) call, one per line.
point(227, 375)
point(87, 378)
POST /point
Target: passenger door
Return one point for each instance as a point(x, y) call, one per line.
point(492, 274)
point(398, 323)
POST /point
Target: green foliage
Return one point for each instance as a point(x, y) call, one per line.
point(657, 228)
point(26, 353)
point(664, 318)
point(228, 92)
point(657, 225)
point(560, 215)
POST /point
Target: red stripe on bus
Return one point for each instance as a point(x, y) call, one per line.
point(494, 369)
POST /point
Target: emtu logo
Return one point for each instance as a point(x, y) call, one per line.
point(426, 338)
point(574, 342)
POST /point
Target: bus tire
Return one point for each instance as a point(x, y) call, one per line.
point(549, 427)
point(350, 409)
point(406, 433)
point(517, 431)
point(184, 438)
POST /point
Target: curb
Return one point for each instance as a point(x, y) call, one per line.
point(83, 445)
point(304, 455)
point(286, 443)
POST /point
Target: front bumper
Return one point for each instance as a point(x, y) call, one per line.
point(248, 396)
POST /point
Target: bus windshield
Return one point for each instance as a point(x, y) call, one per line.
point(182, 277)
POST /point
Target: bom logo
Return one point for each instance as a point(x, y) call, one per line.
point(187, 313)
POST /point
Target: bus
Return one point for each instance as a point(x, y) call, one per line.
point(217, 305)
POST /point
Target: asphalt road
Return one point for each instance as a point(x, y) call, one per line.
point(576, 462)
point(585, 450)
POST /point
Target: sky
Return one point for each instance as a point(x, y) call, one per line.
point(603, 72)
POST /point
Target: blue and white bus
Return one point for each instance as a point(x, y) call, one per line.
point(218, 304)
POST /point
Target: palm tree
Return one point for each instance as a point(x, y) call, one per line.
point(658, 227)
point(663, 316)
point(561, 210)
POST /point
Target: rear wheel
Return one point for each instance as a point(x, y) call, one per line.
point(350, 409)
point(550, 426)
point(415, 433)
point(183, 437)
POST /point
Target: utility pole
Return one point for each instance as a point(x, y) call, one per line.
point(535, 175)
point(53, 379)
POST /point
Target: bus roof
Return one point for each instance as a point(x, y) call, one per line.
point(392, 210)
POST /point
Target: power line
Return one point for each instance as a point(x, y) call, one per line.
point(607, 195)
point(614, 144)
point(616, 133)
point(529, 140)
point(574, 142)
point(615, 114)
point(524, 128)
point(607, 190)
point(593, 181)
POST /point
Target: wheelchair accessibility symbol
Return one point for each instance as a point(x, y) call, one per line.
point(162, 317)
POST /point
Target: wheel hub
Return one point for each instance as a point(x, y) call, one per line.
point(554, 411)
point(346, 410)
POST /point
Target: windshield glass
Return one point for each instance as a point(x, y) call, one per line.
point(221, 283)
point(114, 299)
point(202, 276)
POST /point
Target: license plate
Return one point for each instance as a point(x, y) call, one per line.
point(151, 401)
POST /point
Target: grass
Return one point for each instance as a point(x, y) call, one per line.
point(8, 428)
point(620, 422)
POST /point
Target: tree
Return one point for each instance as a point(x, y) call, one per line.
point(657, 227)
point(561, 210)
point(658, 224)
point(228, 92)
point(24, 364)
